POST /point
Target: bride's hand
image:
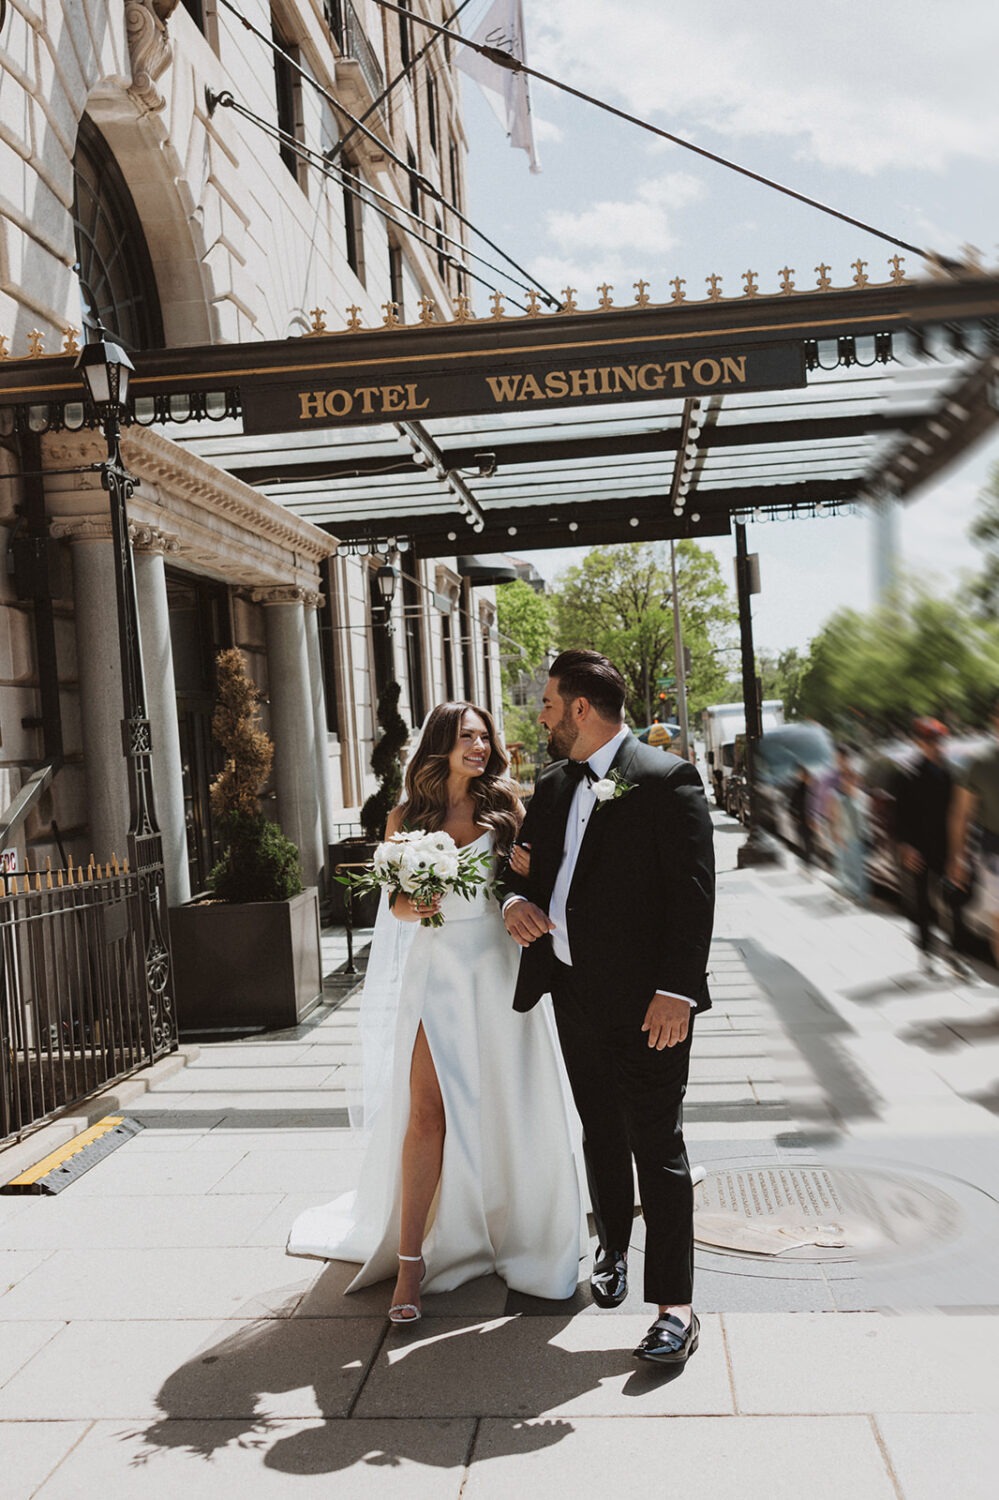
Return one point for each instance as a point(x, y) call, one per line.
point(520, 859)
point(409, 910)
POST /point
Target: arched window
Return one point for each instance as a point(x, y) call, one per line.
point(117, 284)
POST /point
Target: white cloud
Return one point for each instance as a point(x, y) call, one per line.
point(546, 132)
point(854, 85)
point(640, 223)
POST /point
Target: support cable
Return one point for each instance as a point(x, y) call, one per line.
point(514, 65)
point(422, 182)
point(318, 160)
point(390, 87)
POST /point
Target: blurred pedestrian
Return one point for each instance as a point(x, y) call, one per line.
point(924, 793)
point(847, 814)
point(976, 800)
point(801, 805)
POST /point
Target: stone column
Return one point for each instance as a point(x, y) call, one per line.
point(149, 545)
point(98, 660)
point(318, 687)
point(293, 723)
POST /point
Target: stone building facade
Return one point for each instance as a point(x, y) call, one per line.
point(130, 195)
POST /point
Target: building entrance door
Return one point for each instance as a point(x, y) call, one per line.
point(199, 628)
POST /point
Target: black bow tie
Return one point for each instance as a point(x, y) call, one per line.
point(577, 769)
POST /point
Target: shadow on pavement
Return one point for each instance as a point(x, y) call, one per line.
point(358, 1368)
point(816, 1029)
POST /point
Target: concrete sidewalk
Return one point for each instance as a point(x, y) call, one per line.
point(155, 1339)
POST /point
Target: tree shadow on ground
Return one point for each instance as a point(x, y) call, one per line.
point(365, 1380)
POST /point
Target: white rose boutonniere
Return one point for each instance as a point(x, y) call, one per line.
point(611, 787)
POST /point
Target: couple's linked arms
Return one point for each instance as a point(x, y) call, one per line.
point(667, 1019)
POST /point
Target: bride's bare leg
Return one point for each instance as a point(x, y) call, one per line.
point(422, 1154)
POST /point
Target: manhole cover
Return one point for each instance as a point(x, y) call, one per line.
point(820, 1213)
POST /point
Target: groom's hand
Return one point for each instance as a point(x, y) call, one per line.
point(667, 1021)
point(525, 922)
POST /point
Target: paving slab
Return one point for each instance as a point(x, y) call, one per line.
point(151, 1221)
point(15, 1265)
point(21, 1342)
point(860, 1362)
point(32, 1451)
point(546, 1366)
point(155, 1172)
point(242, 1282)
point(210, 1076)
point(267, 1460)
point(485, 1297)
point(694, 1456)
point(328, 1169)
point(934, 1455)
point(195, 1368)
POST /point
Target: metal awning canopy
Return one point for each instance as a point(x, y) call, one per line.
point(576, 428)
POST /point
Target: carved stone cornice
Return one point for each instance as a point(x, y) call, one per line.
point(288, 593)
point(149, 49)
point(152, 539)
point(81, 528)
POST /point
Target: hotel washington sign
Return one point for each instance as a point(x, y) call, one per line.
point(524, 380)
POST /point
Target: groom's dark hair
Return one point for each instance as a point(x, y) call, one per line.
point(587, 674)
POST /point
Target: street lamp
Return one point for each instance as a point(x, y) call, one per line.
point(105, 367)
point(387, 577)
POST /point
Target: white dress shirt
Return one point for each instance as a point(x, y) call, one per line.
point(582, 805)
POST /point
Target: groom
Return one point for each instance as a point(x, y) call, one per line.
point(615, 922)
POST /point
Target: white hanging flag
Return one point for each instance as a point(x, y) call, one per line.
point(503, 27)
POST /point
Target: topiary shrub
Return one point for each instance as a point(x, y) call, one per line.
point(258, 863)
point(385, 763)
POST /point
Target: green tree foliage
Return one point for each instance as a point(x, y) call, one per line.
point(985, 531)
point(918, 655)
point(781, 676)
point(385, 763)
point(618, 601)
point(258, 863)
point(524, 618)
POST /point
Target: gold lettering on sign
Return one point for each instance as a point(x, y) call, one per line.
point(370, 400)
point(613, 380)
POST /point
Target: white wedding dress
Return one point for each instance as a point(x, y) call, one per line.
point(509, 1196)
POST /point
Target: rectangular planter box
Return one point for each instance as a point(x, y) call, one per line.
point(253, 965)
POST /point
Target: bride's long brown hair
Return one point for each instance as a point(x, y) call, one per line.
point(493, 793)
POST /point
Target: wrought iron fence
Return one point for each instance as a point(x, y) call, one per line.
point(76, 1011)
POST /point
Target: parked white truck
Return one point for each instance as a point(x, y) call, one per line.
point(723, 723)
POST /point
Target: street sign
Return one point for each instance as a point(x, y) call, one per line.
point(665, 682)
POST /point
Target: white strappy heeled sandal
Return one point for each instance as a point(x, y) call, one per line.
point(407, 1312)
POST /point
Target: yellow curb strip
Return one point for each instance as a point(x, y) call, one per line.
point(64, 1153)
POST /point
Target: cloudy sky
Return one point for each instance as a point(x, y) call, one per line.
point(889, 112)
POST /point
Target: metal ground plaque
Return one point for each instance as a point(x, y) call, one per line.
point(821, 1213)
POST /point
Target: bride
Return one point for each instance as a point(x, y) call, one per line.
point(469, 1167)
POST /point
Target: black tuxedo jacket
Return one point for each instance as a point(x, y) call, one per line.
point(641, 904)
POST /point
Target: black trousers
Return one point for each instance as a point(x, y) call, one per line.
point(630, 1100)
point(923, 885)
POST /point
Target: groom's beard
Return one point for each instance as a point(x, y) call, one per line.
point(561, 739)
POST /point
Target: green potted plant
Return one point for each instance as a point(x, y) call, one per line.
point(386, 762)
point(247, 955)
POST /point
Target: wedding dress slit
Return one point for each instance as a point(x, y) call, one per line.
point(508, 1195)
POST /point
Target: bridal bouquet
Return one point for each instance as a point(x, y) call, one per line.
point(422, 865)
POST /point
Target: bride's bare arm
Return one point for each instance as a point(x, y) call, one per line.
point(520, 854)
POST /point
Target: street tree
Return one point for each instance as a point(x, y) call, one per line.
point(920, 654)
point(985, 531)
point(619, 601)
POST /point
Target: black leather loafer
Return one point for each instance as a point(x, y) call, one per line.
point(668, 1342)
point(609, 1278)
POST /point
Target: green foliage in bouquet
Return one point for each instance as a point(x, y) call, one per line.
point(259, 863)
point(385, 762)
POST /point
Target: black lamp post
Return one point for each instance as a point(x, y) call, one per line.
point(387, 577)
point(105, 369)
